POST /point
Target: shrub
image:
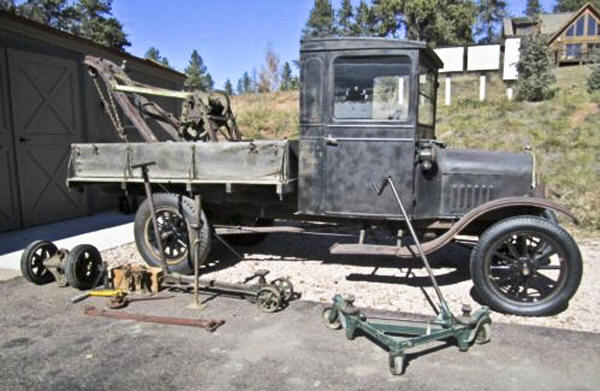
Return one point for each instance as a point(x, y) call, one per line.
point(535, 71)
point(593, 81)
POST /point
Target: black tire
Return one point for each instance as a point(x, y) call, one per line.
point(32, 258)
point(519, 252)
point(248, 240)
point(177, 214)
point(83, 266)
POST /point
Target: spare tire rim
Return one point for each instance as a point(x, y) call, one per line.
point(173, 232)
point(526, 267)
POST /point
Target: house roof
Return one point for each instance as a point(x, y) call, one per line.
point(571, 19)
point(42, 28)
point(552, 22)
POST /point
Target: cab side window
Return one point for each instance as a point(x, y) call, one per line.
point(372, 88)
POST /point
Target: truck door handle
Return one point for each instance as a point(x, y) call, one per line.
point(23, 139)
point(331, 141)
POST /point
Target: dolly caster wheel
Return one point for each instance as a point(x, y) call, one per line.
point(396, 361)
point(268, 299)
point(83, 266)
point(484, 333)
point(331, 321)
point(32, 262)
point(284, 286)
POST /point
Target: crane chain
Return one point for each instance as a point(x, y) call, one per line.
point(110, 110)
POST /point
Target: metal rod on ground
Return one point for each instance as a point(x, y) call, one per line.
point(438, 292)
point(148, 189)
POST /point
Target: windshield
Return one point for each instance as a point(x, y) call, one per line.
point(372, 88)
point(427, 92)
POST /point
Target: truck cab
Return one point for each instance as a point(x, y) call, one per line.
point(368, 111)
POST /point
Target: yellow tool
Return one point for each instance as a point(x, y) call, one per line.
point(117, 293)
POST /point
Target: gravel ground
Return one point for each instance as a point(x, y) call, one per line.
point(381, 282)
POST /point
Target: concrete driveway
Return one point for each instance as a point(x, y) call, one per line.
point(47, 343)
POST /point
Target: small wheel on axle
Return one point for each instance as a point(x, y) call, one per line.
point(32, 261)
point(268, 299)
point(284, 286)
point(83, 266)
point(326, 317)
point(396, 361)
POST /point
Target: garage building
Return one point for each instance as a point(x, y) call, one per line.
point(47, 102)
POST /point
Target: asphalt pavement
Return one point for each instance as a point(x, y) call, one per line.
point(48, 343)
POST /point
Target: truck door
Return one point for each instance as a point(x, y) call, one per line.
point(369, 134)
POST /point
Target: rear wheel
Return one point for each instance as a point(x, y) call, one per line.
point(526, 266)
point(174, 214)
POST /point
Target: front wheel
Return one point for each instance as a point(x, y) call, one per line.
point(526, 266)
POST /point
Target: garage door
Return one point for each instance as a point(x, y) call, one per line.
point(10, 217)
point(46, 112)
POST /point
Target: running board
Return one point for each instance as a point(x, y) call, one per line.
point(379, 249)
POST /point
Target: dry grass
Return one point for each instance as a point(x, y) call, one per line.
point(564, 132)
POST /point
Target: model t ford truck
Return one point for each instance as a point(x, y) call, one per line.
point(367, 112)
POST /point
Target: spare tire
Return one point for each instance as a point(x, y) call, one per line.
point(175, 215)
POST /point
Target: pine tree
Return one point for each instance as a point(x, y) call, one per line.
point(535, 70)
point(364, 21)
point(240, 87)
point(573, 5)
point(196, 73)
point(345, 18)
point(90, 19)
point(154, 54)
point(593, 81)
point(490, 16)
point(321, 20)
point(435, 21)
point(246, 83)
point(286, 77)
point(533, 9)
point(97, 24)
point(228, 88)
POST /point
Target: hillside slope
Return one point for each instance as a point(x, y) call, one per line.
point(564, 133)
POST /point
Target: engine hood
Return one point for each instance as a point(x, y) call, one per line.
point(472, 177)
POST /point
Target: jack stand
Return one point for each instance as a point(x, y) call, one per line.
point(466, 329)
point(196, 227)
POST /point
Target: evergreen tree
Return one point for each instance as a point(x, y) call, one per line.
point(365, 22)
point(573, 5)
point(435, 21)
point(154, 55)
point(593, 81)
point(321, 20)
point(286, 77)
point(89, 19)
point(490, 16)
point(345, 19)
point(97, 24)
point(246, 83)
point(228, 88)
point(240, 87)
point(535, 70)
point(533, 9)
point(196, 73)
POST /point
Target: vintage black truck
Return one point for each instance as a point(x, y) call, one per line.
point(367, 112)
